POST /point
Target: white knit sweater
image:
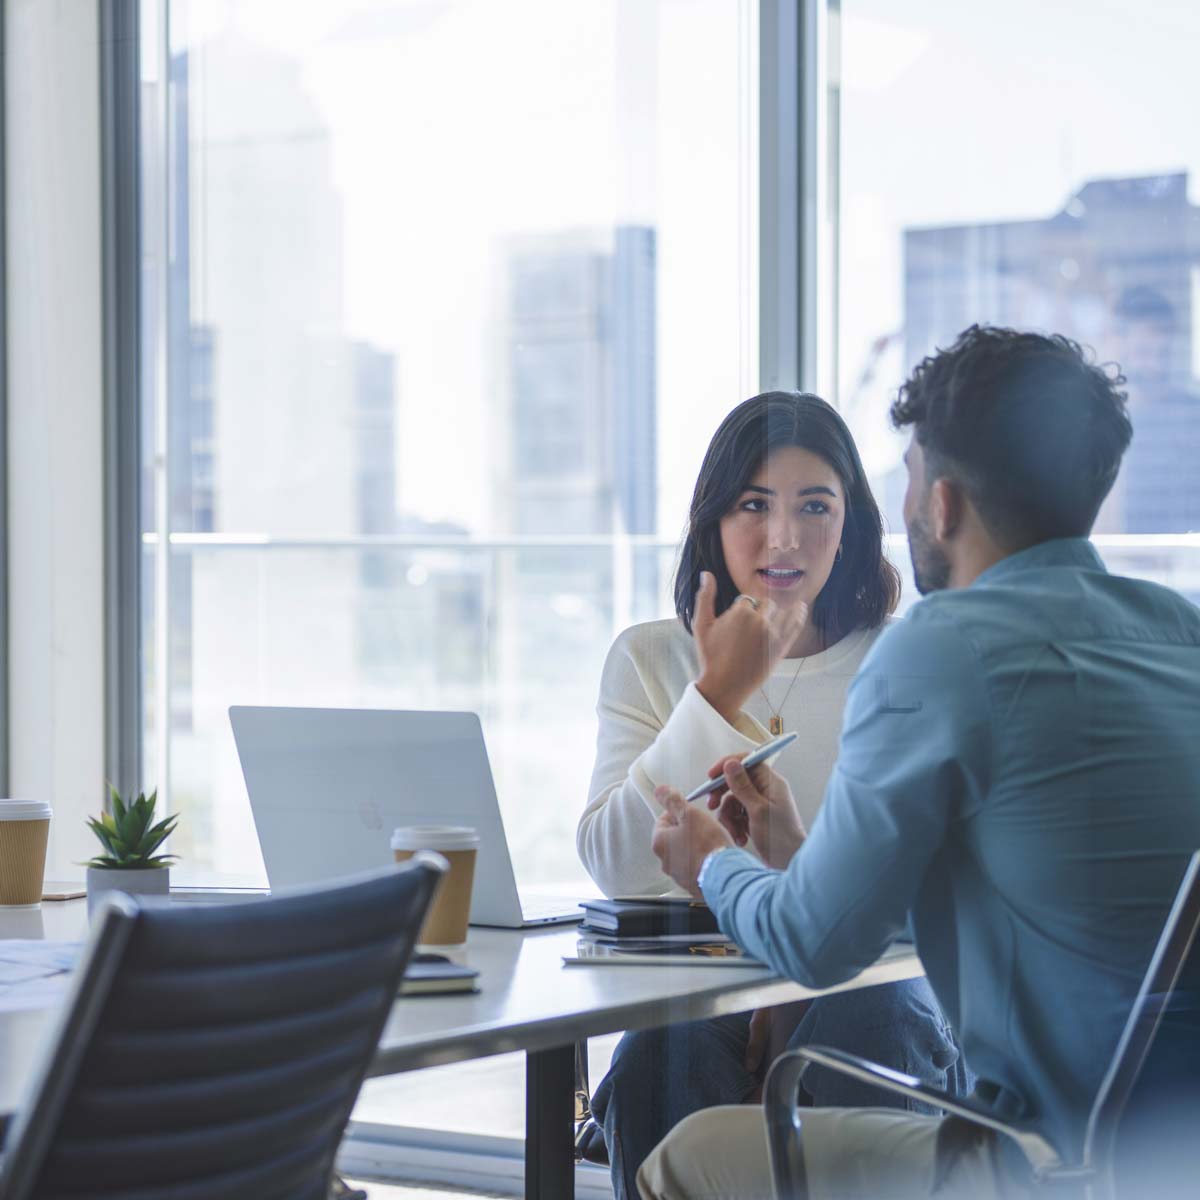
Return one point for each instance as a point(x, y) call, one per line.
point(655, 727)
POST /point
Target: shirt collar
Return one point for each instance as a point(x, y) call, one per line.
point(1058, 552)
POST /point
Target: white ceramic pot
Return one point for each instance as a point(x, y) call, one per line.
point(148, 881)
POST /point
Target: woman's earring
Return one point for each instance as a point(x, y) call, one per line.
point(838, 556)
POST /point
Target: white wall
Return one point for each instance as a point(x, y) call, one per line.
point(55, 500)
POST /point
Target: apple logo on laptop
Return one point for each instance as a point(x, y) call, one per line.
point(369, 814)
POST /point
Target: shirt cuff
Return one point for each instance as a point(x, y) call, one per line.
point(708, 878)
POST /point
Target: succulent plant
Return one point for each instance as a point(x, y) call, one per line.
point(128, 834)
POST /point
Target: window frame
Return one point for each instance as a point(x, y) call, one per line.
point(120, 132)
point(4, 631)
point(778, 32)
point(796, 221)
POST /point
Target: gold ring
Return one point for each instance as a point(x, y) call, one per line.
point(749, 600)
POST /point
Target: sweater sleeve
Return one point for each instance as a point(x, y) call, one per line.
point(636, 750)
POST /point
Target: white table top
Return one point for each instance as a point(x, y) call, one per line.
point(529, 1000)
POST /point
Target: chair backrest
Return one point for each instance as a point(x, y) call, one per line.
point(1166, 1003)
point(209, 1052)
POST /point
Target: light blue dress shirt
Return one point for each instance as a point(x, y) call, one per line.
point(1019, 770)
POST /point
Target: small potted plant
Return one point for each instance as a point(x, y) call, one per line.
point(130, 862)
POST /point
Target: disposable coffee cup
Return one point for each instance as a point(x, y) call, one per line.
point(446, 922)
point(24, 830)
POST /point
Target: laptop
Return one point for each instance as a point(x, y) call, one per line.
point(328, 785)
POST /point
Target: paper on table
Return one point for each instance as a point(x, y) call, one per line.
point(47, 992)
point(590, 954)
point(593, 955)
point(34, 973)
point(22, 972)
point(37, 952)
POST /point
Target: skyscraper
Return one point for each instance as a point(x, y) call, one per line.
point(1117, 268)
point(575, 463)
point(579, 366)
point(279, 424)
point(575, 422)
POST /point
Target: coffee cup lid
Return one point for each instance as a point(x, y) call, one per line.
point(24, 810)
point(435, 837)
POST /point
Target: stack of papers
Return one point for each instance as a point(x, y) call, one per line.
point(653, 929)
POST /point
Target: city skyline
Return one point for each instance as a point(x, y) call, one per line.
point(1116, 268)
point(358, 347)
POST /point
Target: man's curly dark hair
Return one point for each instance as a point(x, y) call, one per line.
point(1028, 424)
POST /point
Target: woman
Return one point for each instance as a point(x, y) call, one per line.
point(782, 522)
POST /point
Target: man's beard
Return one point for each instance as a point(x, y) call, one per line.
point(931, 568)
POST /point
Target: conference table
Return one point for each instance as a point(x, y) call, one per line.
point(529, 1000)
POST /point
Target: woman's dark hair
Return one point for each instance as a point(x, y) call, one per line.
point(863, 586)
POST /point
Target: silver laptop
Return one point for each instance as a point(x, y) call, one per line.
point(328, 785)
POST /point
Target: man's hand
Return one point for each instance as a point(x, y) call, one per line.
point(684, 837)
point(760, 1035)
point(758, 807)
point(770, 1031)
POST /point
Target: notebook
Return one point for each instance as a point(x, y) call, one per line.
point(648, 918)
point(434, 974)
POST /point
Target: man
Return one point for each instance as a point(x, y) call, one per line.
point(1019, 774)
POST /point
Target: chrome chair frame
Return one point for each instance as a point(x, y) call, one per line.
point(1093, 1173)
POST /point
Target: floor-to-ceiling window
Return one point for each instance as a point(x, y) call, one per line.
point(442, 302)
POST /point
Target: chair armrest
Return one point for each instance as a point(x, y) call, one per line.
point(788, 1179)
point(784, 1119)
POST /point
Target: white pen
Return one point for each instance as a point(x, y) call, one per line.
point(769, 750)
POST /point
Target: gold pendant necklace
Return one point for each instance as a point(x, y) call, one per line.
point(777, 714)
point(775, 724)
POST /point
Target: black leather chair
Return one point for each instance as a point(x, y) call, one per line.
point(1143, 1131)
point(214, 1052)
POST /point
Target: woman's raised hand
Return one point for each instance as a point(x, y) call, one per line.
point(739, 649)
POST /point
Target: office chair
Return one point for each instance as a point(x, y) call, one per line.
point(1158, 1127)
point(214, 1052)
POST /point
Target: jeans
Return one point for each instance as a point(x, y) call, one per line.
point(659, 1076)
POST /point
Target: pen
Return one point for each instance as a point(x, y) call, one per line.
point(769, 750)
